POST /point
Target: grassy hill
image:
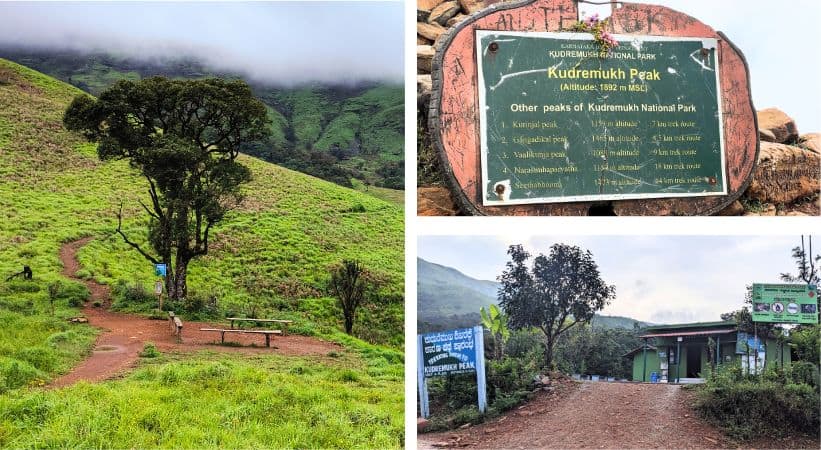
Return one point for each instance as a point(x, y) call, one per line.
point(270, 256)
point(336, 133)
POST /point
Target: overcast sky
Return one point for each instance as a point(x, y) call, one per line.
point(287, 42)
point(780, 42)
point(659, 279)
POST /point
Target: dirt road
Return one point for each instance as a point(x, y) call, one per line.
point(124, 335)
point(596, 415)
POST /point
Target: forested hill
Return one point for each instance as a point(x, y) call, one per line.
point(350, 135)
point(447, 298)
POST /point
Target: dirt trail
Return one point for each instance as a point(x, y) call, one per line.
point(124, 335)
point(596, 415)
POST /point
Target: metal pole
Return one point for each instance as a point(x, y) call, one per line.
point(678, 358)
point(479, 346)
point(755, 345)
point(718, 350)
point(644, 368)
point(424, 407)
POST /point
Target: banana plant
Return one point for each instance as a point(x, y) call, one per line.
point(496, 322)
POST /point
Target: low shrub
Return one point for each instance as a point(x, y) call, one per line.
point(15, 373)
point(150, 351)
point(749, 407)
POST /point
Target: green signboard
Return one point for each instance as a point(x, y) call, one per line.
point(561, 122)
point(785, 303)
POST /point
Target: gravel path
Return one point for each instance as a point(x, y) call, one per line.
point(595, 415)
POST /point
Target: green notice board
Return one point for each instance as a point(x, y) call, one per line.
point(785, 303)
point(561, 123)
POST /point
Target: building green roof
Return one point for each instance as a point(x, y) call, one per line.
point(680, 326)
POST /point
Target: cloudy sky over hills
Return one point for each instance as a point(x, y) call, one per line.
point(282, 42)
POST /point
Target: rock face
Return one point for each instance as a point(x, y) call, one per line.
point(442, 13)
point(434, 201)
point(779, 124)
point(424, 58)
point(811, 141)
point(429, 31)
point(785, 174)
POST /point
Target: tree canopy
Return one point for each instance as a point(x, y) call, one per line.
point(560, 290)
point(183, 136)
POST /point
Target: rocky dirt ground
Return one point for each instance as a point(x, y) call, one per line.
point(601, 415)
point(124, 335)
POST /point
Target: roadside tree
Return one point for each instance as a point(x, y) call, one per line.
point(558, 292)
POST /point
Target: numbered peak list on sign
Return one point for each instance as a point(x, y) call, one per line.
point(560, 121)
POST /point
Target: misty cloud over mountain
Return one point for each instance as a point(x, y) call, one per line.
point(278, 43)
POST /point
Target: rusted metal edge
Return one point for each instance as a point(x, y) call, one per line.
point(731, 197)
point(460, 198)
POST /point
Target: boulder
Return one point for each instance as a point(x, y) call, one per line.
point(471, 6)
point(768, 210)
point(734, 209)
point(434, 201)
point(422, 41)
point(442, 13)
point(811, 141)
point(424, 58)
point(427, 5)
point(424, 84)
point(766, 135)
point(429, 30)
point(779, 124)
point(456, 19)
point(785, 174)
point(421, 424)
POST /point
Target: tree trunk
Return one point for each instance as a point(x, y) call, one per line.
point(348, 322)
point(178, 282)
point(548, 352)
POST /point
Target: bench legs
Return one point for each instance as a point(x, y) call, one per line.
point(222, 339)
point(267, 340)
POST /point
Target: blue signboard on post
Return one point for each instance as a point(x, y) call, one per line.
point(160, 270)
point(451, 352)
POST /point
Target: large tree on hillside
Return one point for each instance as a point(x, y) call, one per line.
point(559, 291)
point(183, 136)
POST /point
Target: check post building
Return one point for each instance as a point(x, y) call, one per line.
point(681, 353)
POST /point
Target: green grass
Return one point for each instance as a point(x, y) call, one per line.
point(274, 252)
point(271, 256)
point(217, 401)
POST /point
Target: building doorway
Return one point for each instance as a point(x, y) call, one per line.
point(693, 361)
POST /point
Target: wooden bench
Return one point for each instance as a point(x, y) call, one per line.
point(284, 323)
point(176, 325)
point(222, 332)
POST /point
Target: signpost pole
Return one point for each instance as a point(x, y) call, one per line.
point(678, 357)
point(424, 407)
point(644, 367)
point(478, 339)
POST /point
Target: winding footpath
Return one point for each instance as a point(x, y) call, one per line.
point(123, 335)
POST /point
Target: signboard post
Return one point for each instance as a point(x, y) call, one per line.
point(160, 270)
point(785, 303)
point(451, 352)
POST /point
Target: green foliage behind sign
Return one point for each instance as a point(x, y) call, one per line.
point(562, 122)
